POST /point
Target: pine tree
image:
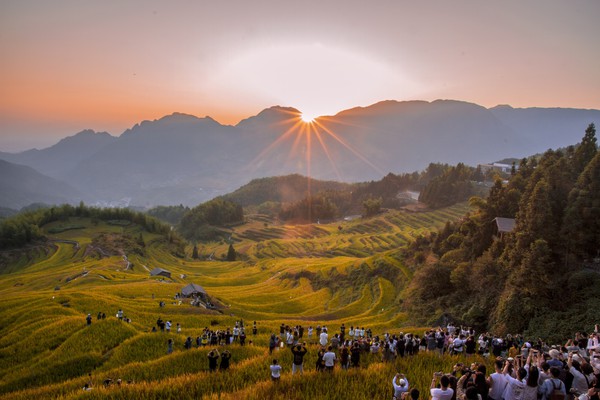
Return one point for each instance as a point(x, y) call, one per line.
point(231, 254)
point(586, 150)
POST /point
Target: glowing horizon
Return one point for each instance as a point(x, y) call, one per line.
point(73, 66)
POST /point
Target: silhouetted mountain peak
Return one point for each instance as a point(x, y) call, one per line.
point(172, 122)
point(271, 115)
point(85, 135)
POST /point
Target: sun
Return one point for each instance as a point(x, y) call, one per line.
point(307, 118)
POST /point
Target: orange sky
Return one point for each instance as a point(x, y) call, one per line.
point(71, 65)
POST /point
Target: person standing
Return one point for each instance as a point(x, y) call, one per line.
point(400, 384)
point(275, 371)
point(169, 346)
point(554, 384)
point(329, 359)
point(225, 357)
point(299, 351)
point(355, 355)
point(345, 357)
point(213, 358)
point(497, 382)
point(323, 338)
point(272, 343)
point(444, 392)
point(89, 319)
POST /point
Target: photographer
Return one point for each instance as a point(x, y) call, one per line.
point(514, 386)
point(583, 374)
point(400, 384)
point(443, 393)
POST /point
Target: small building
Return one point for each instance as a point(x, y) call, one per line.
point(505, 168)
point(161, 272)
point(504, 225)
point(195, 291)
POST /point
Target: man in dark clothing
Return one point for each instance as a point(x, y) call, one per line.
point(355, 355)
point(213, 358)
point(89, 319)
point(225, 360)
point(299, 351)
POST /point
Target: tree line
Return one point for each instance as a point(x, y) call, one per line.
point(25, 228)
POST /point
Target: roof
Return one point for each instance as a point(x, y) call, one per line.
point(158, 271)
point(505, 224)
point(191, 289)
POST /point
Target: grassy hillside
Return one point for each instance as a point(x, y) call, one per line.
point(350, 272)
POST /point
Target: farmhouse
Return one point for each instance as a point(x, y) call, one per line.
point(196, 292)
point(161, 272)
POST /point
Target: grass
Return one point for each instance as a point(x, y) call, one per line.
point(350, 276)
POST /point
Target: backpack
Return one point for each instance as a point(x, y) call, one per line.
point(556, 393)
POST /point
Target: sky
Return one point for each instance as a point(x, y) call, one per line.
point(106, 65)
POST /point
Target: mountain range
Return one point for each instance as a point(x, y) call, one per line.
point(183, 159)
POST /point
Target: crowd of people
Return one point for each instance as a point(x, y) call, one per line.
point(523, 369)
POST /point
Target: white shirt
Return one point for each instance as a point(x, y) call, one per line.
point(398, 390)
point(514, 388)
point(324, 338)
point(439, 394)
point(498, 386)
point(329, 358)
point(275, 370)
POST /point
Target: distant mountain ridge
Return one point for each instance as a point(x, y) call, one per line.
point(22, 185)
point(184, 159)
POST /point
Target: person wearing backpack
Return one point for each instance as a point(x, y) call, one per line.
point(554, 388)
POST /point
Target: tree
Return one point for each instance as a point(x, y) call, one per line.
point(231, 254)
point(582, 218)
point(372, 206)
point(586, 150)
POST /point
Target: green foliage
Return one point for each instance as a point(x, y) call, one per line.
point(372, 206)
point(26, 227)
point(452, 186)
point(201, 221)
point(581, 228)
point(282, 189)
point(169, 214)
point(514, 279)
point(310, 209)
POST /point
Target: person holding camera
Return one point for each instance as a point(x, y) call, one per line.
point(400, 384)
point(515, 387)
point(583, 373)
point(444, 392)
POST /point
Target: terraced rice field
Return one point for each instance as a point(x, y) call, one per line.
point(347, 272)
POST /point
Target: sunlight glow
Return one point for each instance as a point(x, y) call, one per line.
point(307, 118)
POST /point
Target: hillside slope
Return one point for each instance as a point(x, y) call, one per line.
point(21, 185)
point(308, 275)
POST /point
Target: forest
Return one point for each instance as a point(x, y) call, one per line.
point(543, 277)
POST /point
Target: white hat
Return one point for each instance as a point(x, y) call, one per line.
point(402, 382)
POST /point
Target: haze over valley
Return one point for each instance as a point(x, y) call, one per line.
point(184, 159)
